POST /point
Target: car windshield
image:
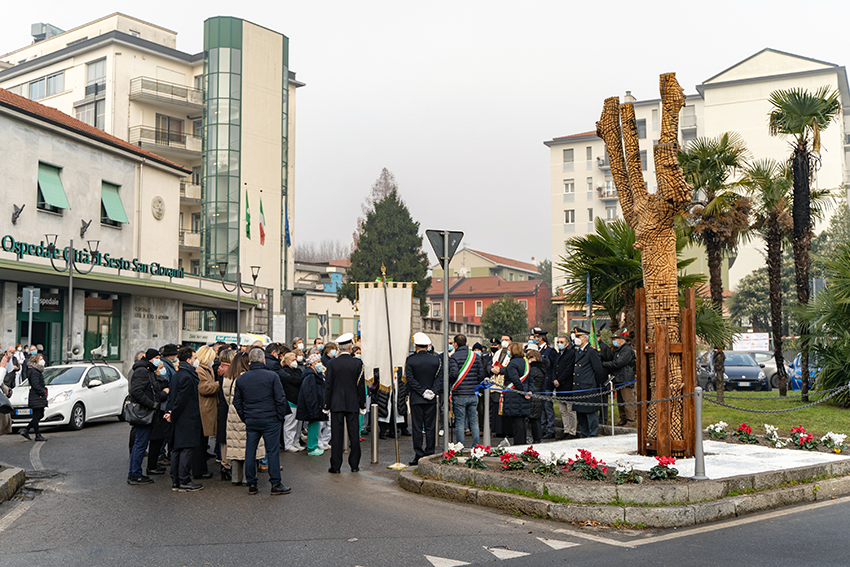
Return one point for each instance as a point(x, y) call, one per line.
point(740, 360)
point(63, 375)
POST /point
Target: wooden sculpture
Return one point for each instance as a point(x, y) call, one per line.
point(651, 216)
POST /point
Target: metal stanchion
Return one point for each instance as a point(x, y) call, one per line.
point(374, 416)
point(699, 460)
point(437, 423)
point(345, 439)
point(487, 417)
point(611, 402)
point(397, 465)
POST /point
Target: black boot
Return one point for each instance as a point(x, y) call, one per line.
point(25, 432)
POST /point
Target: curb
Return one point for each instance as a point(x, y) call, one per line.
point(11, 479)
point(715, 503)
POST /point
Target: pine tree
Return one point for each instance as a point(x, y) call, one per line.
point(388, 235)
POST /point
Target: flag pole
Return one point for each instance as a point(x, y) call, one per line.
point(397, 465)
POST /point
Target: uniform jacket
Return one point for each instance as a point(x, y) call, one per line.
point(259, 395)
point(515, 404)
point(588, 374)
point(550, 357)
point(185, 408)
point(563, 371)
point(208, 388)
point(38, 393)
point(237, 435)
point(423, 372)
point(311, 397)
point(344, 381)
point(473, 378)
point(622, 366)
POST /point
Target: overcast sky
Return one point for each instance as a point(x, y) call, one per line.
point(457, 97)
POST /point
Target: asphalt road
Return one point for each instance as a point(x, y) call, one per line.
point(77, 509)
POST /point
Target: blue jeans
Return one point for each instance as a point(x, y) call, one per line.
point(143, 435)
point(465, 407)
point(547, 419)
point(269, 430)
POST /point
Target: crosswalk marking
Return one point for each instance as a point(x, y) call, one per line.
point(558, 544)
point(444, 562)
point(505, 553)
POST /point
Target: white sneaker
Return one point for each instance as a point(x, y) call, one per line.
point(300, 448)
point(325, 447)
point(292, 450)
point(303, 437)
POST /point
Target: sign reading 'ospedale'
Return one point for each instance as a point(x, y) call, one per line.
point(84, 256)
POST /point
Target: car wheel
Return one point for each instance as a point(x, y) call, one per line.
point(78, 417)
point(774, 381)
point(121, 413)
point(710, 386)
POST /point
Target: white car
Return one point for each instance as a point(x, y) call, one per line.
point(76, 393)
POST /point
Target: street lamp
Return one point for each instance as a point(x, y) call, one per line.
point(70, 256)
point(239, 288)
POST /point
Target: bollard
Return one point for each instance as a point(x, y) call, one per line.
point(699, 455)
point(611, 401)
point(487, 417)
point(374, 416)
point(437, 423)
point(345, 440)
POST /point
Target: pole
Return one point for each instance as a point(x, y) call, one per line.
point(611, 403)
point(486, 417)
point(699, 455)
point(29, 329)
point(394, 381)
point(446, 319)
point(70, 298)
point(374, 416)
point(238, 307)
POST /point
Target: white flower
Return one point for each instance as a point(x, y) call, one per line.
point(836, 438)
point(456, 447)
point(769, 430)
point(623, 466)
point(550, 459)
point(478, 453)
point(718, 427)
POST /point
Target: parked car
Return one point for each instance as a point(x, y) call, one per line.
point(796, 380)
point(767, 358)
point(742, 372)
point(76, 393)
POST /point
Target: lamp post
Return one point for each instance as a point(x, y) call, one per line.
point(70, 257)
point(239, 288)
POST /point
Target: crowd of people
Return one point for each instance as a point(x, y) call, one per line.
point(19, 364)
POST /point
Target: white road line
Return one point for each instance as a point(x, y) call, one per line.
point(557, 543)
point(35, 458)
point(7, 520)
point(443, 562)
point(596, 538)
point(505, 553)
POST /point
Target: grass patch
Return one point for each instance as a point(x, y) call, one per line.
point(818, 419)
point(622, 524)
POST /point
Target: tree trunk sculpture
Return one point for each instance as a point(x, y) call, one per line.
point(652, 216)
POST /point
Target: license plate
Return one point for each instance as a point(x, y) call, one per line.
point(23, 412)
point(744, 383)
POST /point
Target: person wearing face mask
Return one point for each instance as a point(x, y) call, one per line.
point(329, 352)
point(622, 369)
point(298, 344)
point(291, 377)
point(225, 359)
point(465, 374)
point(208, 390)
point(588, 374)
point(549, 357)
point(311, 400)
point(496, 371)
point(562, 382)
point(345, 397)
point(184, 413)
point(37, 399)
point(160, 429)
point(425, 379)
point(145, 391)
point(516, 404)
point(168, 354)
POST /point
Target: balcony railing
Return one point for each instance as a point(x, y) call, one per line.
point(188, 190)
point(608, 191)
point(689, 122)
point(190, 239)
point(164, 138)
point(95, 89)
point(145, 87)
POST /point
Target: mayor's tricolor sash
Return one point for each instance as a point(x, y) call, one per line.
point(511, 386)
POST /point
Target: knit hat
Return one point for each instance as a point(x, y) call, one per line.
point(313, 359)
point(151, 353)
point(168, 350)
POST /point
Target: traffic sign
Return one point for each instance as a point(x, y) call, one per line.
point(31, 299)
point(437, 239)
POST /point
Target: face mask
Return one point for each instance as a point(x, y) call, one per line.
point(505, 344)
point(332, 354)
point(320, 367)
point(430, 348)
point(451, 347)
point(163, 371)
point(300, 346)
point(577, 341)
point(299, 358)
point(156, 362)
point(40, 365)
point(293, 364)
point(196, 363)
point(616, 344)
point(561, 346)
point(357, 356)
point(572, 336)
point(532, 343)
point(33, 351)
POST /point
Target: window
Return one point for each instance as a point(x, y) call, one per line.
point(611, 213)
point(93, 113)
point(195, 267)
point(589, 184)
point(199, 82)
point(643, 160)
point(655, 120)
point(479, 308)
point(102, 338)
point(109, 374)
point(196, 175)
point(96, 77)
point(111, 209)
point(641, 128)
point(47, 86)
point(437, 309)
point(169, 131)
point(589, 215)
point(568, 160)
point(524, 303)
point(196, 222)
point(197, 128)
point(589, 157)
point(569, 186)
point(458, 315)
point(569, 216)
point(51, 193)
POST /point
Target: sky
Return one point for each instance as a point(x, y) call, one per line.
point(456, 98)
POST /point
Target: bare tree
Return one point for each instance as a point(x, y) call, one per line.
point(383, 186)
point(323, 251)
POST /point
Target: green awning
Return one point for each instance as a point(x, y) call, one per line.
point(51, 187)
point(112, 203)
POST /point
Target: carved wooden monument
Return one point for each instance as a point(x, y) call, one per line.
point(665, 338)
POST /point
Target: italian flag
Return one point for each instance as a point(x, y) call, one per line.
point(247, 218)
point(262, 225)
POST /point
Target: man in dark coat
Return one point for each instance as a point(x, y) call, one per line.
point(145, 392)
point(345, 396)
point(465, 373)
point(549, 357)
point(425, 382)
point(622, 370)
point(37, 397)
point(562, 381)
point(588, 374)
point(184, 413)
point(259, 400)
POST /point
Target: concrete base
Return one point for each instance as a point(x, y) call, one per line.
point(11, 479)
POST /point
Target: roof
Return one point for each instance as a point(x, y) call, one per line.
point(501, 260)
point(62, 120)
point(489, 285)
point(770, 50)
point(581, 135)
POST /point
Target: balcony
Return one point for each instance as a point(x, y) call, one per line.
point(608, 192)
point(689, 124)
point(189, 192)
point(190, 240)
point(145, 88)
point(603, 162)
point(847, 139)
point(165, 142)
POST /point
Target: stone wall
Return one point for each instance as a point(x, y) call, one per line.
point(147, 322)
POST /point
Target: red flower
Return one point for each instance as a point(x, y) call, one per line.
point(666, 461)
point(798, 429)
point(531, 452)
point(744, 428)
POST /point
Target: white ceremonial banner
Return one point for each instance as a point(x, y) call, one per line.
point(374, 333)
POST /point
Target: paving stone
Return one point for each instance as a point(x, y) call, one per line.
point(840, 467)
point(768, 479)
point(447, 490)
point(738, 483)
point(652, 494)
point(662, 516)
point(775, 499)
point(832, 487)
point(584, 493)
point(580, 513)
point(460, 475)
point(428, 467)
point(11, 479)
point(705, 512)
point(706, 490)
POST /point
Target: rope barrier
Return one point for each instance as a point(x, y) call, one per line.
point(832, 393)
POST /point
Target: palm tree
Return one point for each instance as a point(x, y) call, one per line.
point(718, 215)
point(803, 115)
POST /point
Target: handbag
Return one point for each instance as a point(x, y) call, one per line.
point(5, 404)
point(137, 414)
